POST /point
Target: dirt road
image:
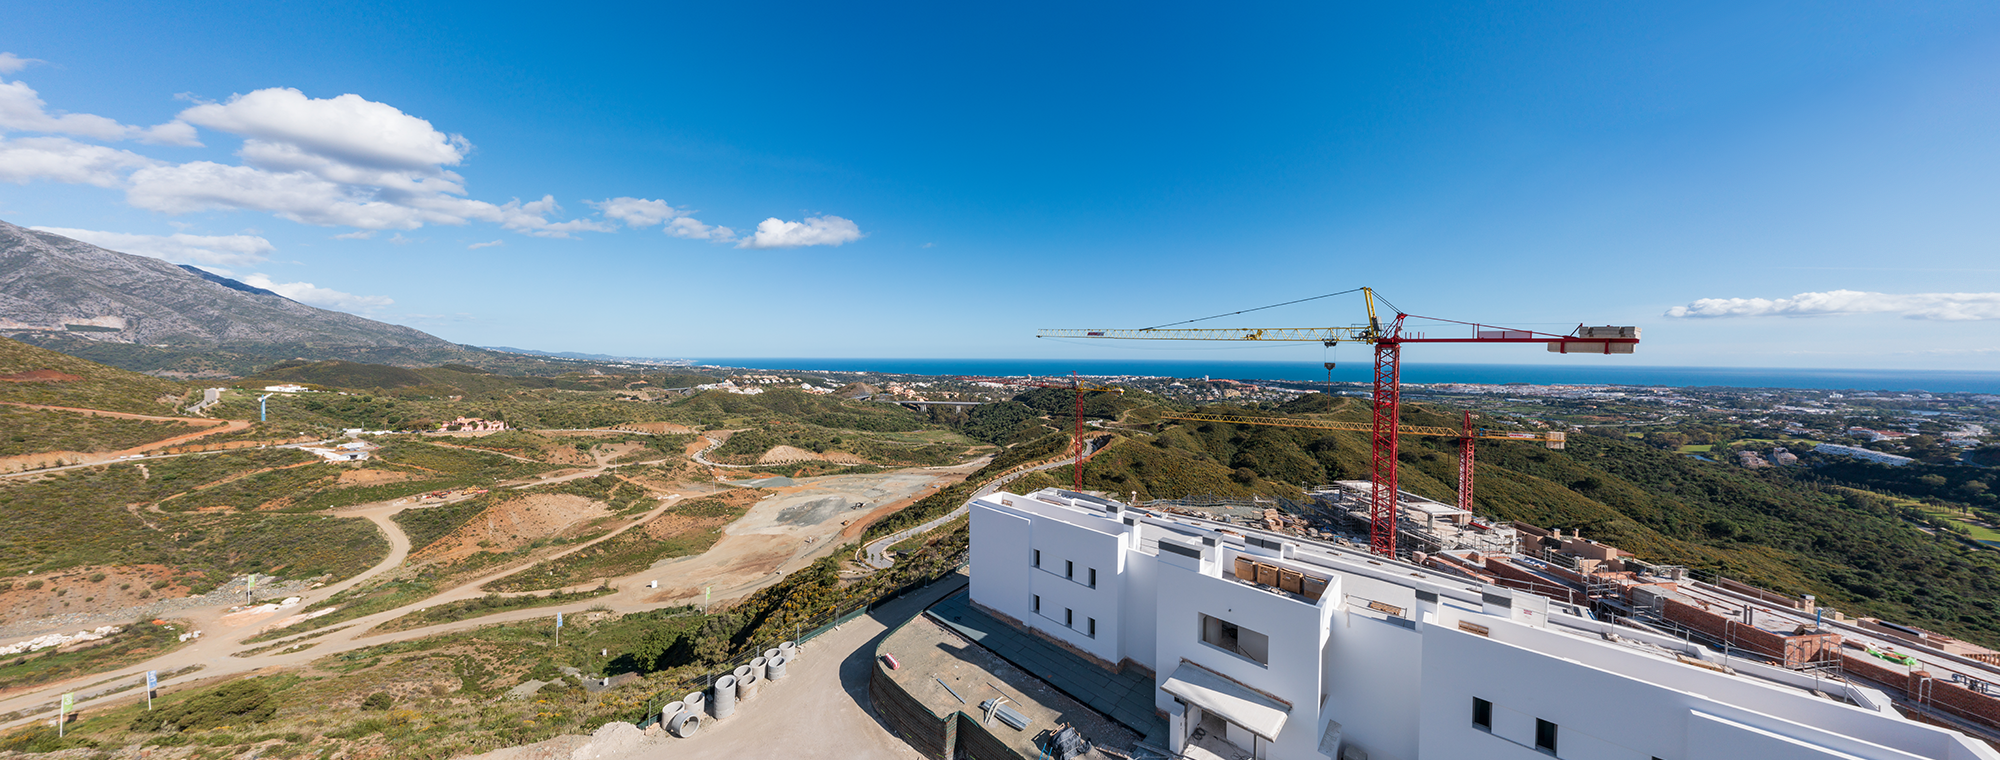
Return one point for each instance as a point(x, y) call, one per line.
point(785, 532)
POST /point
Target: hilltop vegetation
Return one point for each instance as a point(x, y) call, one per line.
point(36, 430)
point(32, 375)
point(80, 518)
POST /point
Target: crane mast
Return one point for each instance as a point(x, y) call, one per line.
point(1388, 338)
point(1076, 384)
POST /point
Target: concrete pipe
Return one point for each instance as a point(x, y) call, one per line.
point(757, 666)
point(790, 650)
point(723, 702)
point(747, 686)
point(696, 702)
point(672, 709)
point(685, 724)
point(770, 653)
point(775, 669)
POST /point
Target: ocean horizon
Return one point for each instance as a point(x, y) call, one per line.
point(1903, 381)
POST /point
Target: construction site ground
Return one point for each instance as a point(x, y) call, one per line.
point(787, 530)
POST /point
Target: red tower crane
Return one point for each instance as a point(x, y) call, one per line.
point(1388, 338)
point(1076, 384)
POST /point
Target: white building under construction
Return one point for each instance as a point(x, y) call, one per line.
point(1281, 647)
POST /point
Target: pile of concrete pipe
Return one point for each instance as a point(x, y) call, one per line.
point(683, 718)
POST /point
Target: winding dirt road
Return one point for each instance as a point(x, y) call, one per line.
point(223, 633)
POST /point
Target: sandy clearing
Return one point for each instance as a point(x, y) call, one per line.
point(370, 477)
point(786, 531)
point(513, 523)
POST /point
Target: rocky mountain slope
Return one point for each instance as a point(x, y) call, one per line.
point(52, 283)
point(146, 314)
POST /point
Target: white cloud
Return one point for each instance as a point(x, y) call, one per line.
point(60, 159)
point(640, 212)
point(815, 230)
point(298, 196)
point(688, 227)
point(338, 162)
point(349, 128)
point(1950, 307)
point(181, 248)
point(637, 212)
point(314, 295)
point(531, 218)
point(355, 235)
point(22, 110)
point(490, 244)
point(10, 63)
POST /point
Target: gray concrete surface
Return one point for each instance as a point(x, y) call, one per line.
point(820, 711)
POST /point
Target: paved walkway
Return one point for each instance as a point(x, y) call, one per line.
point(821, 708)
point(1126, 697)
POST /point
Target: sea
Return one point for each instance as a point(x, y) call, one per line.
point(1900, 381)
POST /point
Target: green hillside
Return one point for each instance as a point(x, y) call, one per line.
point(96, 528)
point(1781, 529)
point(32, 375)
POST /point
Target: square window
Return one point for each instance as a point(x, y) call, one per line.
point(1545, 736)
point(1482, 714)
point(1093, 577)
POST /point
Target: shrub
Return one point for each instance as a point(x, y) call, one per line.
point(32, 585)
point(96, 577)
point(231, 704)
point(378, 701)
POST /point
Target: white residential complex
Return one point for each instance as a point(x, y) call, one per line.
point(1294, 649)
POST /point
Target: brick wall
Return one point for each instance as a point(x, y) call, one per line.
point(1506, 574)
point(1794, 650)
point(1954, 699)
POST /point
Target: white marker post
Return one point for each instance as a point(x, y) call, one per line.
point(152, 685)
point(62, 714)
point(558, 629)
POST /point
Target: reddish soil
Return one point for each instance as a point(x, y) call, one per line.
point(71, 591)
point(514, 523)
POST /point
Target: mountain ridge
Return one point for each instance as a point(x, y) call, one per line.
point(150, 315)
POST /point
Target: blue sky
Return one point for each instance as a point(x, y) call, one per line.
point(1753, 184)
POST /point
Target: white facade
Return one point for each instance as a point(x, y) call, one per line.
point(1390, 659)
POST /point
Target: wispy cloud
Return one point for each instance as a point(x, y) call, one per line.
point(815, 230)
point(355, 235)
point(314, 295)
point(1948, 307)
point(10, 63)
point(477, 246)
point(678, 222)
point(180, 248)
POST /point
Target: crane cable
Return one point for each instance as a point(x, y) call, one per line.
point(1260, 308)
